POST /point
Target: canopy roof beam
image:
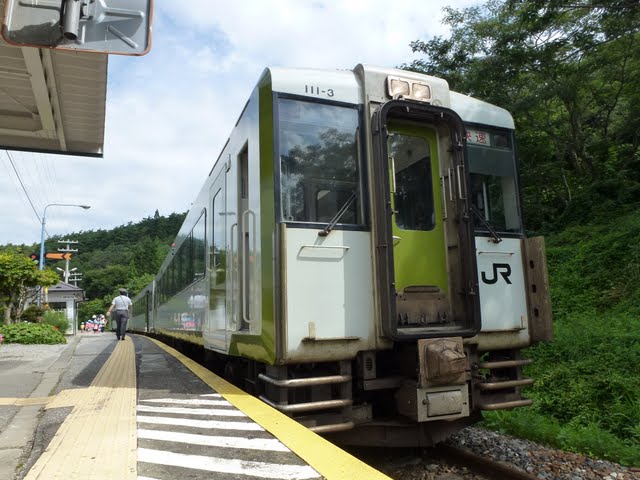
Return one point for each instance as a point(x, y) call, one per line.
point(41, 75)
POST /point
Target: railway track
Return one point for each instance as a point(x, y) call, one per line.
point(478, 464)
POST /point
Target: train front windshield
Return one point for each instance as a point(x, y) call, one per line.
point(319, 162)
point(494, 188)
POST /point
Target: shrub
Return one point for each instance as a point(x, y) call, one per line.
point(56, 319)
point(32, 313)
point(31, 333)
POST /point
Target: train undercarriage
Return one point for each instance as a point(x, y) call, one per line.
point(400, 397)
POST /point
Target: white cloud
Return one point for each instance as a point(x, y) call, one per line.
point(170, 112)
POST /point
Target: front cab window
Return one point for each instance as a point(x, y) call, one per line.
point(494, 188)
point(319, 162)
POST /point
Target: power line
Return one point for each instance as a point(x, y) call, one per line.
point(29, 173)
point(23, 187)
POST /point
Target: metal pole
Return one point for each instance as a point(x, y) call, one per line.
point(71, 19)
point(44, 215)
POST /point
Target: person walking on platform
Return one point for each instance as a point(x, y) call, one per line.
point(122, 306)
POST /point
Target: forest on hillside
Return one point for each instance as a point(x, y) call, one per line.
point(569, 73)
point(126, 256)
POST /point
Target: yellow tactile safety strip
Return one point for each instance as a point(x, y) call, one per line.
point(98, 438)
point(327, 459)
point(24, 402)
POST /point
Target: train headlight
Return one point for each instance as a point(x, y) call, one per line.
point(421, 91)
point(398, 87)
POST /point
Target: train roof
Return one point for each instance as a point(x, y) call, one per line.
point(472, 110)
point(343, 84)
point(345, 87)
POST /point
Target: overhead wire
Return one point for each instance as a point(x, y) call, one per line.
point(46, 177)
point(53, 176)
point(41, 175)
point(23, 187)
point(14, 182)
point(30, 178)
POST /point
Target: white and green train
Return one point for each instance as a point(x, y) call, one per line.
point(356, 257)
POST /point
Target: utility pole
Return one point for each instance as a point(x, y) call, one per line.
point(75, 277)
point(67, 249)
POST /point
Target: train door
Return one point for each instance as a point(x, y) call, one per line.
point(246, 243)
point(418, 235)
point(425, 262)
point(220, 262)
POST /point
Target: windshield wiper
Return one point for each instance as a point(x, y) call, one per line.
point(325, 231)
point(476, 212)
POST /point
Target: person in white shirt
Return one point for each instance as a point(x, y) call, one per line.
point(122, 308)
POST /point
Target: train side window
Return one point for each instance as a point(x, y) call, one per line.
point(199, 249)
point(218, 242)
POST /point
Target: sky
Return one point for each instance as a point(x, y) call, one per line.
point(170, 112)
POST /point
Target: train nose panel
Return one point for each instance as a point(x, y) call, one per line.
point(442, 362)
point(441, 391)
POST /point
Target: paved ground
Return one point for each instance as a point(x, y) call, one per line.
point(37, 372)
point(190, 423)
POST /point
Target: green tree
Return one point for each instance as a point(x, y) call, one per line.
point(18, 274)
point(92, 307)
point(102, 282)
point(568, 73)
point(135, 285)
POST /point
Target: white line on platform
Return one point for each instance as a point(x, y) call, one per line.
point(190, 401)
point(270, 444)
point(217, 395)
point(146, 478)
point(193, 411)
point(186, 422)
point(222, 465)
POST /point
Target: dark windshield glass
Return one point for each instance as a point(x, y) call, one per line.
point(413, 196)
point(492, 169)
point(319, 164)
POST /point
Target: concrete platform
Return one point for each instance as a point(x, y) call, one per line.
point(99, 408)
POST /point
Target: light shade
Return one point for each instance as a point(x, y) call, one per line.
point(421, 91)
point(397, 87)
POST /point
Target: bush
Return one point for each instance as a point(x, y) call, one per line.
point(33, 313)
point(57, 320)
point(31, 333)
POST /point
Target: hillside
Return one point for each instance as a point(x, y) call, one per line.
point(127, 255)
point(586, 381)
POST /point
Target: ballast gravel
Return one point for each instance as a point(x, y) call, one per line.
point(537, 460)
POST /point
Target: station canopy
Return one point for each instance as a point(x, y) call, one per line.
point(52, 100)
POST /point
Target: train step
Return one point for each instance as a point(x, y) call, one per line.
point(320, 402)
point(500, 385)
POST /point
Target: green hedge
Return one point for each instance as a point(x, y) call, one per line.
point(31, 333)
point(56, 319)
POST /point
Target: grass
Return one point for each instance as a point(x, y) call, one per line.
point(587, 394)
point(590, 439)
